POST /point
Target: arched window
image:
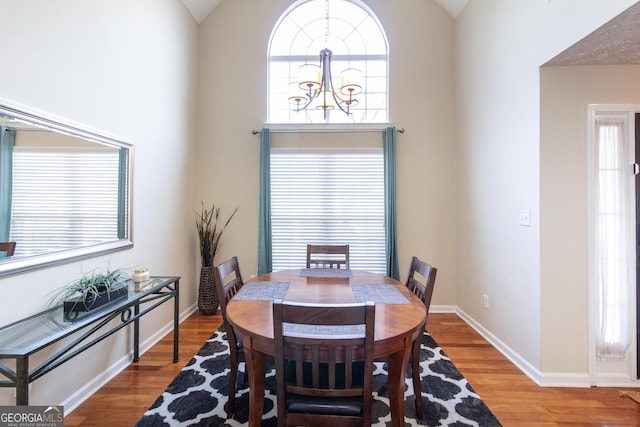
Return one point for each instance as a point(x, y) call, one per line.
point(357, 41)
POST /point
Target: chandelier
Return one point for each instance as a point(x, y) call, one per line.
point(315, 87)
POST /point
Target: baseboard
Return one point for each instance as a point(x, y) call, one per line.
point(527, 368)
point(443, 309)
point(616, 380)
point(84, 393)
point(564, 379)
point(554, 379)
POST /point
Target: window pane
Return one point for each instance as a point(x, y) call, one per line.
point(376, 85)
point(347, 9)
point(353, 34)
point(377, 69)
point(357, 44)
point(281, 40)
point(340, 29)
point(328, 197)
point(374, 37)
point(311, 10)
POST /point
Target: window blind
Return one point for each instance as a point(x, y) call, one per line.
point(63, 198)
point(328, 196)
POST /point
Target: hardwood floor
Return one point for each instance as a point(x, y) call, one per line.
point(511, 395)
point(125, 398)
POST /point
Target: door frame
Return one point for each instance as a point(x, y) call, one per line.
point(596, 378)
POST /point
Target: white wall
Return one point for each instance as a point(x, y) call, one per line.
point(500, 46)
point(129, 69)
point(232, 102)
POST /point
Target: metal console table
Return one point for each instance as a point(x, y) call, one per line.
point(20, 340)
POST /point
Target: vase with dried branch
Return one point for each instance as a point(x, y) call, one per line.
point(209, 233)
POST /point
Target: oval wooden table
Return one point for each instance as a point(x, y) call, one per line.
point(397, 325)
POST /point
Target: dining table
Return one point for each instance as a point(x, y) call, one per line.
point(400, 318)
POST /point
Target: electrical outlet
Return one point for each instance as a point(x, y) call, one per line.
point(485, 301)
point(525, 219)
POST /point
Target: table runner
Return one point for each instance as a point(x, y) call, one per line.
point(379, 293)
point(326, 272)
point(262, 291)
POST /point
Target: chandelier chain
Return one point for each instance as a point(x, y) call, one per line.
point(316, 83)
point(326, 23)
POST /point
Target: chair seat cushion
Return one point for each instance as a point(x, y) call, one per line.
point(345, 406)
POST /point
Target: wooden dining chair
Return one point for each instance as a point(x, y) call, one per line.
point(8, 247)
point(328, 256)
point(420, 281)
point(324, 363)
point(228, 282)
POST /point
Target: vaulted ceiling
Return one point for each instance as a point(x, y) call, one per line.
point(200, 9)
point(616, 42)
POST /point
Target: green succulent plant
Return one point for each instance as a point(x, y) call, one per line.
point(90, 286)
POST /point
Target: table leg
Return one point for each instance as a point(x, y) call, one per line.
point(397, 365)
point(256, 369)
point(22, 381)
point(176, 320)
point(136, 332)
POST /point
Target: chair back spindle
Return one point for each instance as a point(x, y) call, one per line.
point(324, 363)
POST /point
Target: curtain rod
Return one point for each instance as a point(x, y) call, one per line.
point(320, 130)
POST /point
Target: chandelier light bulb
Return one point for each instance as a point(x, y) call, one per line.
point(325, 100)
point(297, 96)
point(310, 78)
point(351, 82)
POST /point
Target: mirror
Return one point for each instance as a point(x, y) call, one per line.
point(65, 190)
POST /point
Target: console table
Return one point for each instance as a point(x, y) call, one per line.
point(22, 339)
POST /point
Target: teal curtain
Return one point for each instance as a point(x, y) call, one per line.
point(7, 139)
point(123, 162)
point(390, 214)
point(264, 227)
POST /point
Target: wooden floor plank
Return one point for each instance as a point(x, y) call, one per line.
point(514, 398)
point(511, 395)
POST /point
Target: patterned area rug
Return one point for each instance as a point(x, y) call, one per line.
point(196, 397)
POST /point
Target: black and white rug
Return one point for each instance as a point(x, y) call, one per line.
point(196, 397)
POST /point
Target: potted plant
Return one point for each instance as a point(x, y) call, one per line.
point(91, 291)
point(209, 233)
